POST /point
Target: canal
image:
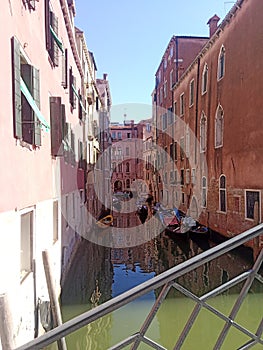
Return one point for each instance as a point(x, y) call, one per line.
point(99, 273)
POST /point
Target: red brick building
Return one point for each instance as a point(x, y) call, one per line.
point(178, 55)
point(218, 101)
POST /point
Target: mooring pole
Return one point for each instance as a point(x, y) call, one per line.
point(55, 307)
point(6, 324)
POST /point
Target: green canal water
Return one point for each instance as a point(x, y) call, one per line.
point(113, 271)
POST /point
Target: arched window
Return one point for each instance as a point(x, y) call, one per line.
point(127, 167)
point(219, 127)
point(204, 192)
point(203, 133)
point(128, 183)
point(114, 166)
point(120, 167)
point(204, 79)
point(221, 64)
point(222, 193)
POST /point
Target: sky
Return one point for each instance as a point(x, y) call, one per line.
point(128, 39)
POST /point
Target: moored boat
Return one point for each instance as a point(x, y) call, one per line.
point(105, 222)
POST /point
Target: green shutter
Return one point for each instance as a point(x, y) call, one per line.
point(17, 115)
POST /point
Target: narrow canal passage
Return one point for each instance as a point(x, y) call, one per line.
point(99, 273)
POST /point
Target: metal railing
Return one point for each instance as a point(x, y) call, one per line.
point(167, 280)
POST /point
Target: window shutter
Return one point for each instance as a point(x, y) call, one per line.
point(47, 25)
point(36, 96)
point(63, 120)
point(80, 107)
point(56, 126)
point(54, 46)
point(16, 88)
point(64, 82)
point(27, 112)
point(74, 96)
point(71, 93)
point(72, 138)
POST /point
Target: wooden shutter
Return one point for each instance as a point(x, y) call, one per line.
point(81, 112)
point(28, 118)
point(71, 93)
point(47, 25)
point(56, 126)
point(64, 82)
point(17, 115)
point(36, 96)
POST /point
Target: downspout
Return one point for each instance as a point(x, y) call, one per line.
point(176, 60)
point(196, 107)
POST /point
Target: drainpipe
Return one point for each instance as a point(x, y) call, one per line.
point(176, 60)
point(196, 107)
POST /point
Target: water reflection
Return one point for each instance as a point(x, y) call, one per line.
point(111, 271)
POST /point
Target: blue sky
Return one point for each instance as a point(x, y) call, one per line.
point(129, 37)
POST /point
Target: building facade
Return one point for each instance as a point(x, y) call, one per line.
point(212, 167)
point(44, 142)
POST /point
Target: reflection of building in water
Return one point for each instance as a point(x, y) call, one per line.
point(90, 264)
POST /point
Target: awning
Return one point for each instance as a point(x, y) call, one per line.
point(80, 102)
point(57, 40)
point(32, 103)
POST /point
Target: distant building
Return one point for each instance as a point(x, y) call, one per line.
point(126, 157)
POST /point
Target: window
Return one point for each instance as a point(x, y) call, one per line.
point(72, 89)
point(222, 193)
point(165, 89)
point(204, 79)
point(127, 151)
point(193, 176)
point(172, 177)
point(221, 64)
point(171, 79)
point(182, 104)
point(120, 167)
point(182, 148)
point(165, 121)
point(119, 135)
point(165, 64)
point(26, 96)
point(203, 133)
point(127, 167)
point(191, 93)
point(219, 127)
point(175, 109)
point(204, 192)
point(171, 151)
point(187, 141)
point(128, 135)
point(165, 178)
point(64, 81)
point(171, 51)
point(113, 135)
point(53, 43)
point(128, 183)
point(187, 176)
point(182, 176)
point(253, 205)
point(26, 244)
point(114, 166)
point(165, 155)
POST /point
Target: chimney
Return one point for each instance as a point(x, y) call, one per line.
point(105, 76)
point(213, 24)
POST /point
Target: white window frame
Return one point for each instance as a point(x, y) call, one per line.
point(205, 80)
point(191, 93)
point(220, 111)
point(220, 67)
